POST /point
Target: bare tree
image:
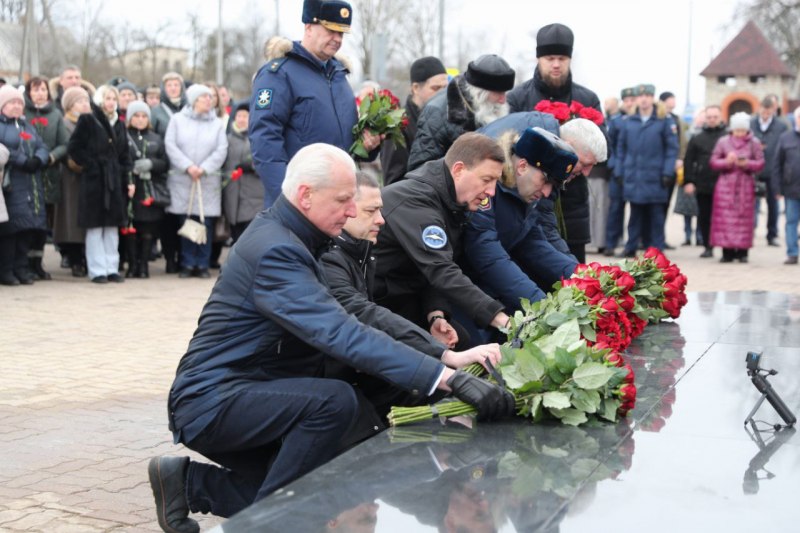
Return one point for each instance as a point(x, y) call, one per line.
point(11, 10)
point(779, 20)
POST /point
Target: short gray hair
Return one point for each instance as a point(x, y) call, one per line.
point(311, 166)
point(585, 136)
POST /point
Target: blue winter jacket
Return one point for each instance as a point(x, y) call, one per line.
point(646, 153)
point(614, 125)
point(24, 192)
point(270, 316)
point(506, 250)
point(297, 100)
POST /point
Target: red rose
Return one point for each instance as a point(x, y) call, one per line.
point(630, 375)
point(25, 136)
point(672, 308)
point(237, 173)
point(591, 287)
point(628, 392)
point(626, 281)
point(590, 113)
point(123, 231)
point(404, 122)
point(626, 302)
point(614, 358)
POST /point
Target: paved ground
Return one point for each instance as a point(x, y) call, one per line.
point(85, 371)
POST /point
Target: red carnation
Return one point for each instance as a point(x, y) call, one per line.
point(25, 136)
point(147, 202)
point(575, 107)
point(237, 173)
point(590, 113)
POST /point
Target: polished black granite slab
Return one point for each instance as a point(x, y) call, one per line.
point(682, 461)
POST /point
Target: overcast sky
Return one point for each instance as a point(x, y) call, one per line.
point(618, 43)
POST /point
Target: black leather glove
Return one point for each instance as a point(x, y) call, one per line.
point(247, 167)
point(667, 181)
point(32, 164)
point(491, 401)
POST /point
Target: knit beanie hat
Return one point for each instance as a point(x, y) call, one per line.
point(127, 86)
point(425, 68)
point(9, 93)
point(490, 72)
point(740, 121)
point(71, 97)
point(137, 106)
point(554, 40)
point(195, 91)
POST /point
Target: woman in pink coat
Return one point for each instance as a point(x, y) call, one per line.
point(737, 157)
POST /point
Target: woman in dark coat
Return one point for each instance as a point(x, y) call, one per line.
point(22, 187)
point(150, 168)
point(738, 157)
point(67, 234)
point(42, 113)
point(242, 198)
point(99, 146)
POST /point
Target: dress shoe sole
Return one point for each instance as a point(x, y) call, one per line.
point(157, 484)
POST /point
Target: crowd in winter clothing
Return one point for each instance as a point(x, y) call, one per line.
point(106, 173)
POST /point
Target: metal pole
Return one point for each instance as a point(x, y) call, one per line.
point(220, 81)
point(689, 57)
point(277, 17)
point(441, 30)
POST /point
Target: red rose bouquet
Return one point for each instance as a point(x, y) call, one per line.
point(563, 112)
point(660, 286)
point(381, 114)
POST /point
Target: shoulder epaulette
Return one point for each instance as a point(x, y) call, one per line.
point(275, 64)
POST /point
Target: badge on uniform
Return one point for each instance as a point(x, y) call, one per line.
point(485, 205)
point(434, 237)
point(674, 129)
point(264, 98)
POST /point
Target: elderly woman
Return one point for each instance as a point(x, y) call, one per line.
point(738, 157)
point(42, 113)
point(150, 168)
point(196, 148)
point(67, 234)
point(99, 148)
point(22, 188)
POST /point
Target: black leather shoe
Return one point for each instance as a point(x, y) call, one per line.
point(99, 279)
point(772, 242)
point(203, 273)
point(668, 247)
point(185, 273)
point(9, 279)
point(707, 253)
point(608, 252)
point(726, 260)
point(116, 278)
point(168, 481)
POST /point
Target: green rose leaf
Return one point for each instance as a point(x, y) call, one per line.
point(572, 417)
point(555, 319)
point(592, 375)
point(556, 400)
point(609, 412)
point(565, 361)
point(586, 401)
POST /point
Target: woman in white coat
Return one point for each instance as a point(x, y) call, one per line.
point(196, 146)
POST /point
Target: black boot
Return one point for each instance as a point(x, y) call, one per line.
point(145, 245)
point(168, 481)
point(35, 266)
point(130, 253)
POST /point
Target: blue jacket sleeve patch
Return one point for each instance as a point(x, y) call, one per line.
point(264, 98)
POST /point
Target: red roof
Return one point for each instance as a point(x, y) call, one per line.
point(748, 54)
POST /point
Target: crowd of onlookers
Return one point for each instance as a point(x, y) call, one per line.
point(110, 172)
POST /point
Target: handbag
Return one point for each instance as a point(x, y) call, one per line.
point(161, 194)
point(191, 229)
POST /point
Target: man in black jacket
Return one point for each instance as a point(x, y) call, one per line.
point(419, 250)
point(698, 178)
point(350, 270)
point(428, 77)
point(552, 80)
point(768, 128)
point(470, 101)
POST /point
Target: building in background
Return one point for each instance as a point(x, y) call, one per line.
point(745, 71)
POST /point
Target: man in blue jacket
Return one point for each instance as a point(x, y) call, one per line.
point(504, 246)
point(249, 392)
point(301, 96)
point(646, 153)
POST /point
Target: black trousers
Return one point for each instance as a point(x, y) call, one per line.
point(266, 434)
point(704, 206)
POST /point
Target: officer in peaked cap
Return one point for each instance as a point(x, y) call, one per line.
point(301, 95)
point(334, 15)
point(507, 254)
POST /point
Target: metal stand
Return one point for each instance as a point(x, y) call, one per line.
point(753, 412)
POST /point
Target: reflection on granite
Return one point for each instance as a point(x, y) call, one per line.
point(695, 467)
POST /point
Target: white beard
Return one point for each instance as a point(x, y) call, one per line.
point(487, 113)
